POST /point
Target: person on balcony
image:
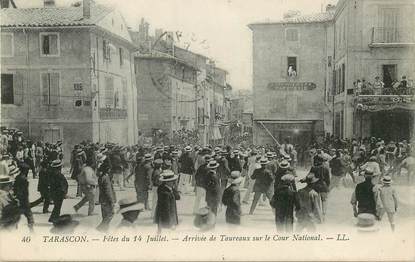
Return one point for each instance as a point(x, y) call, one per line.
point(403, 86)
point(378, 86)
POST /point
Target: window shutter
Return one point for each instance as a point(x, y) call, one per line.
point(46, 45)
point(45, 88)
point(18, 89)
point(54, 89)
point(284, 66)
point(53, 44)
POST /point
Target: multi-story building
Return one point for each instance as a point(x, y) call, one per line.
point(289, 86)
point(352, 66)
point(66, 74)
point(373, 39)
point(179, 90)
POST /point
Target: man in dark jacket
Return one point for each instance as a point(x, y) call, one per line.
point(21, 190)
point(234, 161)
point(212, 187)
point(58, 188)
point(166, 210)
point(223, 171)
point(107, 196)
point(117, 167)
point(143, 174)
point(200, 179)
point(338, 167)
point(231, 198)
point(263, 180)
point(363, 198)
point(43, 188)
point(323, 174)
point(284, 201)
point(186, 169)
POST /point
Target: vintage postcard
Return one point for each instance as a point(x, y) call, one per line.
point(220, 130)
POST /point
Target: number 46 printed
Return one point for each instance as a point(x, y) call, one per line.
point(26, 239)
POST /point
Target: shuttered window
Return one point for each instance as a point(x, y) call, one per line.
point(7, 95)
point(49, 44)
point(50, 88)
point(109, 91)
point(7, 45)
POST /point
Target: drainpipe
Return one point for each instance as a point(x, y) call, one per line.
point(29, 124)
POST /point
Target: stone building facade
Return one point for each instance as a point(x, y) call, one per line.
point(289, 88)
point(66, 75)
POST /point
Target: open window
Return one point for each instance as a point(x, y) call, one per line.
point(49, 44)
point(292, 66)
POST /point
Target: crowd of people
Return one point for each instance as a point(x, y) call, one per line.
point(163, 174)
point(377, 87)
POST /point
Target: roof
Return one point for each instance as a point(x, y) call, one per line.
point(301, 19)
point(51, 16)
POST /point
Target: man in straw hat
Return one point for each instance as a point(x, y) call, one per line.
point(142, 182)
point(363, 198)
point(310, 211)
point(263, 180)
point(186, 169)
point(284, 201)
point(212, 187)
point(9, 205)
point(130, 208)
point(200, 179)
point(166, 210)
point(58, 188)
point(107, 197)
point(88, 182)
point(21, 190)
point(231, 198)
point(155, 181)
point(389, 200)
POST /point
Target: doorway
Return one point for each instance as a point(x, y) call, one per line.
point(391, 125)
point(389, 74)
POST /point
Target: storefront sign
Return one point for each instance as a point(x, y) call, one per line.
point(292, 86)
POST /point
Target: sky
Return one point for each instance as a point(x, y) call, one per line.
point(215, 28)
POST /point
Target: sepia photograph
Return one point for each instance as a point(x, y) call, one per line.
point(216, 130)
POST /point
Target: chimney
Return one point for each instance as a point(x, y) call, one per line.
point(330, 8)
point(49, 3)
point(86, 9)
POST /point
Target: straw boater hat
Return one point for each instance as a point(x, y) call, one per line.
point(264, 161)
point(212, 164)
point(236, 177)
point(207, 158)
point(158, 161)
point(14, 170)
point(284, 164)
point(175, 153)
point(188, 149)
point(56, 163)
point(369, 173)
point(387, 180)
point(101, 157)
point(129, 204)
point(148, 157)
point(168, 175)
point(6, 179)
point(270, 155)
point(236, 152)
point(217, 150)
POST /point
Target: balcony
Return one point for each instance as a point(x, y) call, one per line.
point(112, 113)
point(391, 37)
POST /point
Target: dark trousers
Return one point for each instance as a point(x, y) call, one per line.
point(56, 212)
point(107, 211)
point(44, 197)
point(257, 195)
point(27, 212)
point(142, 197)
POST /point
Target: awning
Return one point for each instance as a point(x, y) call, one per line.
point(216, 135)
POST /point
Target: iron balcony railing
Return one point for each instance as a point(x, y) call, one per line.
point(392, 35)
